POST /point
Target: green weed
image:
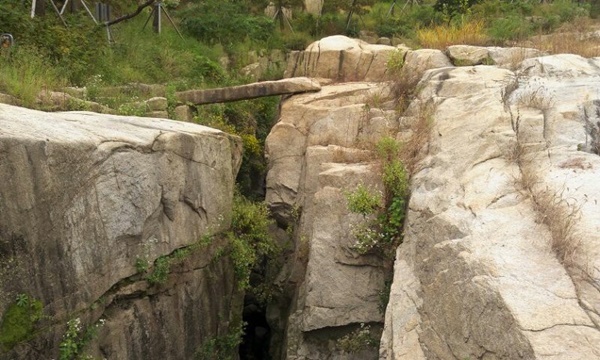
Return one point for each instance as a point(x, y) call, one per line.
point(19, 320)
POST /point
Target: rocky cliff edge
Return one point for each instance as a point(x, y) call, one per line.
point(88, 203)
point(500, 255)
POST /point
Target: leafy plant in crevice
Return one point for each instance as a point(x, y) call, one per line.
point(252, 121)
point(362, 338)
point(160, 270)
point(250, 243)
point(171, 100)
point(19, 321)
point(395, 62)
point(384, 295)
point(76, 338)
point(383, 215)
point(222, 347)
point(161, 267)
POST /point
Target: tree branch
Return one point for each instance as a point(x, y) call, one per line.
point(129, 16)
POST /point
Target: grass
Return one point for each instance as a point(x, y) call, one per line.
point(415, 148)
point(560, 218)
point(25, 74)
point(551, 209)
point(568, 43)
point(539, 98)
point(468, 32)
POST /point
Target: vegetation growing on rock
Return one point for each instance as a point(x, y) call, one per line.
point(382, 233)
point(19, 320)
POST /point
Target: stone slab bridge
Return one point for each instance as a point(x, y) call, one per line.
point(250, 91)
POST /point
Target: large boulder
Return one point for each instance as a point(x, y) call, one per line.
point(89, 202)
point(317, 152)
point(500, 256)
point(418, 61)
point(341, 59)
point(468, 55)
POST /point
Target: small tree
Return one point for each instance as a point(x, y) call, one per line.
point(451, 8)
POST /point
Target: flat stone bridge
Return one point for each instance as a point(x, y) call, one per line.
point(250, 91)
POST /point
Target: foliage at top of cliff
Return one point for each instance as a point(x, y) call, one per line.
point(212, 29)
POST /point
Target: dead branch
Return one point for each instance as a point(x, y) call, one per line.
point(129, 16)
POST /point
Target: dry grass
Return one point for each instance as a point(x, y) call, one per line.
point(539, 98)
point(551, 209)
point(416, 147)
point(575, 37)
point(568, 43)
point(404, 87)
point(343, 155)
point(578, 163)
point(516, 57)
point(560, 217)
point(440, 37)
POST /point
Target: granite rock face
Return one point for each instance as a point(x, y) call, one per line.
point(482, 272)
point(86, 199)
point(500, 256)
point(317, 153)
point(468, 55)
point(340, 58)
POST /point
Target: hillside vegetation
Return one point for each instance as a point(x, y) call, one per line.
point(50, 55)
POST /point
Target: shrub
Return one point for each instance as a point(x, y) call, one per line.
point(76, 338)
point(394, 175)
point(222, 347)
point(330, 24)
point(297, 41)
point(454, 7)
point(249, 238)
point(395, 62)
point(160, 270)
point(225, 22)
point(382, 233)
point(512, 27)
point(363, 202)
point(358, 340)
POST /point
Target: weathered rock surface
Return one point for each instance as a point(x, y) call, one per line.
point(184, 113)
point(84, 198)
point(418, 61)
point(480, 274)
point(477, 275)
point(342, 59)
point(249, 91)
point(464, 55)
point(315, 155)
point(62, 101)
point(468, 55)
point(157, 103)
